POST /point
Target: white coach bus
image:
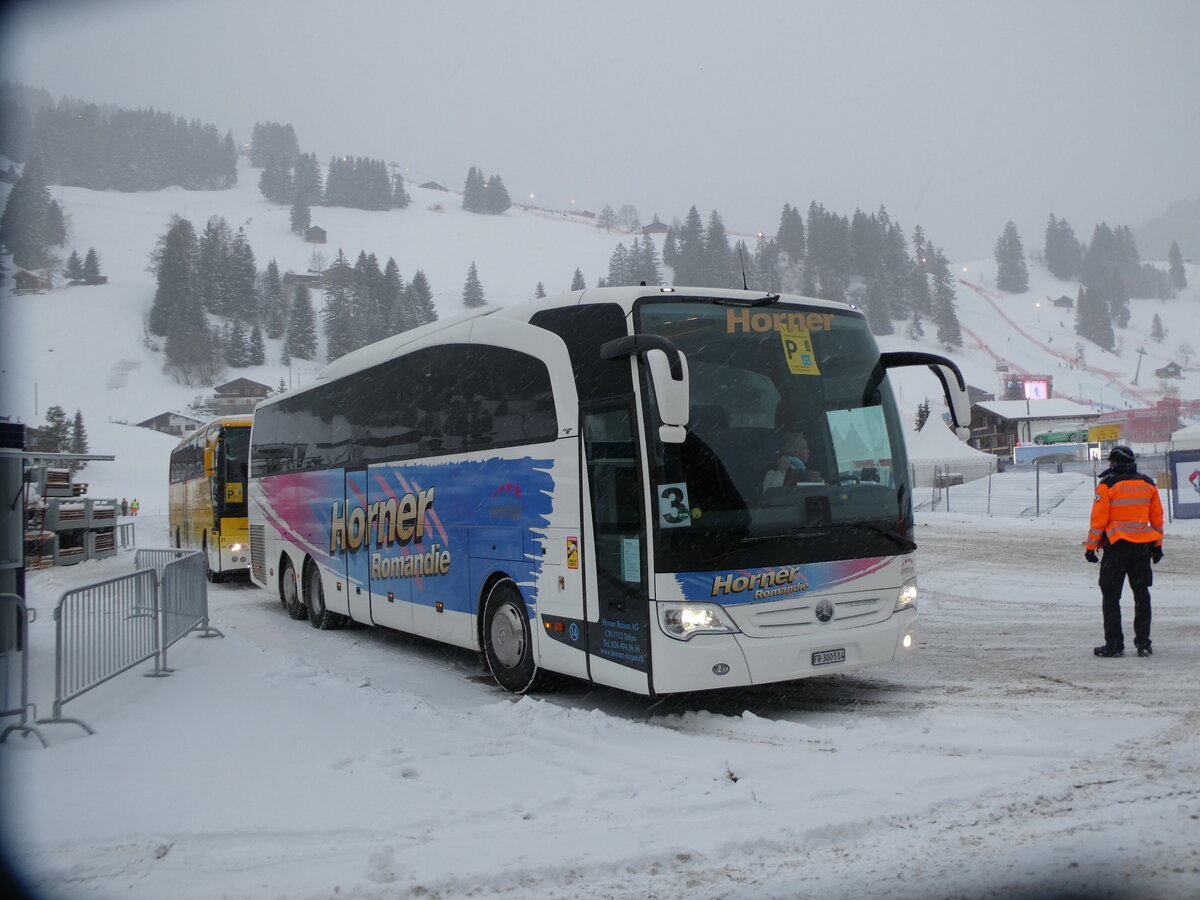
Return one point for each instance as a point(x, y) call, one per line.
point(579, 486)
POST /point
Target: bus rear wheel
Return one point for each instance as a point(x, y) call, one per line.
point(289, 594)
point(314, 597)
point(508, 640)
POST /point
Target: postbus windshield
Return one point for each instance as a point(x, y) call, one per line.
point(793, 449)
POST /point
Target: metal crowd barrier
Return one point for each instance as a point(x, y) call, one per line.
point(14, 667)
point(104, 629)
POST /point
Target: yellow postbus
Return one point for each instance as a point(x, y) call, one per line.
point(208, 495)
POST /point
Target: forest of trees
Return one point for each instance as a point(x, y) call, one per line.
point(214, 274)
point(482, 195)
point(113, 149)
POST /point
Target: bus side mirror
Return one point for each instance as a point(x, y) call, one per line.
point(954, 386)
point(674, 405)
point(669, 375)
point(208, 461)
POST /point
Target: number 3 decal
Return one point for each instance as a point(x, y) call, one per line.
point(673, 508)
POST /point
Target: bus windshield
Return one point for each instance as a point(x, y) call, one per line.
point(793, 449)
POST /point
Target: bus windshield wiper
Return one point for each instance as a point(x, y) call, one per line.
point(906, 544)
point(757, 301)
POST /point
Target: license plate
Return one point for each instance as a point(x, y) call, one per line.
point(825, 657)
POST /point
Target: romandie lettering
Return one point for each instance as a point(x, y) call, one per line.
point(742, 319)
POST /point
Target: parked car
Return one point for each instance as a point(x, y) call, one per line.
point(1072, 435)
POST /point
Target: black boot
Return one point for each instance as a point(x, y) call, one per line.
point(1105, 650)
point(1145, 650)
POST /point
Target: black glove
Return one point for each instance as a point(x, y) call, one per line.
point(1090, 556)
point(1155, 554)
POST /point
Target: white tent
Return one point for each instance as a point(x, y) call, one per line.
point(1186, 438)
point(934, 450)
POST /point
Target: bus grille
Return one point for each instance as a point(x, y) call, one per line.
point(783, 617)
point(258, 550)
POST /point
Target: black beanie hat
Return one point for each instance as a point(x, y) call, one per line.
point(1120, 454)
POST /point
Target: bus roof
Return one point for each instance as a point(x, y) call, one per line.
point(388, 347)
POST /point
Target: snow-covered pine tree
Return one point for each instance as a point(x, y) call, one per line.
point(1176, 276)
point(577, 282)
point(91, 267)
point(301, 342)
point(472, 294)
point(1012, 275)
point(949, 332)
point(74, 267)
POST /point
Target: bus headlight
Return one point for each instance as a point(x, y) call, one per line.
point(907, 597)
point(235, 547)
point(683, 621)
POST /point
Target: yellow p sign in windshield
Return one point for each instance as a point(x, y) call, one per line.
point(233, 492)
point(798, 348)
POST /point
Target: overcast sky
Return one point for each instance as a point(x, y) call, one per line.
point(955, 115)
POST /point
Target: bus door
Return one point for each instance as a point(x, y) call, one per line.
point(356, 581)
point(386, 593)
point(619, 617)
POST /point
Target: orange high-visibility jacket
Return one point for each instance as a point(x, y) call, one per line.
point(1127, 509)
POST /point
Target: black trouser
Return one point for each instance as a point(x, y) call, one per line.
point(1121, 559)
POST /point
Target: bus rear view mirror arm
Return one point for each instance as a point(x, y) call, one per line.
point(954, 386)
point(669, 374)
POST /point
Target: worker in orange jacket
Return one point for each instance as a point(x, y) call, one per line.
point(1127, 521)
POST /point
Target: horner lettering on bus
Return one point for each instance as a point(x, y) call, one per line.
point(756, 320)
point(735, 584)
point(396, 521)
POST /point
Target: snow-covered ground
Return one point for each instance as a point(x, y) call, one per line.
point(279, 761)
point(282, 762)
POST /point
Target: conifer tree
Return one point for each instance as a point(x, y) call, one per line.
point(689, 258)
point(472, 295)
point(256, 352)
point(949, 332)
point(56, 435)
point(23, 225)
point(400, 198)
point(301, 216)
point(301, 342)
point(419, 296)
point(236, 348)
point(212, 267)
point(916, 330)
point(56, 225)
point(473, 200)
point(767, 264)
point(923, 411)
point(391, 299)
point(1157, 332)
point(720, 269)
point(790, 236)
point(242, 278)
point(176, 278)
point(1012, 275)
point(307, 183)
point(497, 199)
point(607, 220)
point(339, 308)
point(577, 282)
point(79, 440)
point(1063, 254)
point(91, 267)
point(878, 316)
point(1176, 276)
point(74, 267)
point(274, 301)
point(539, 292)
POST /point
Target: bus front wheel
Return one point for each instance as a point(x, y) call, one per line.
point(508, 641)
point(314, 597)
point(289, 594)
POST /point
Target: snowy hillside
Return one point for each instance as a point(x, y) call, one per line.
point(83, 347)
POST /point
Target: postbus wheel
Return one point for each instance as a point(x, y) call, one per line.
point(508, 640)
point(314, 598)
point(289, 594)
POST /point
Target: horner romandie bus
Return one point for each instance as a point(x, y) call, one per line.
point(208, 494)
point(577, 485)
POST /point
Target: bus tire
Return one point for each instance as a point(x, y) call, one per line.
point(289, 593)
point(319, 615)
point(508, 640)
